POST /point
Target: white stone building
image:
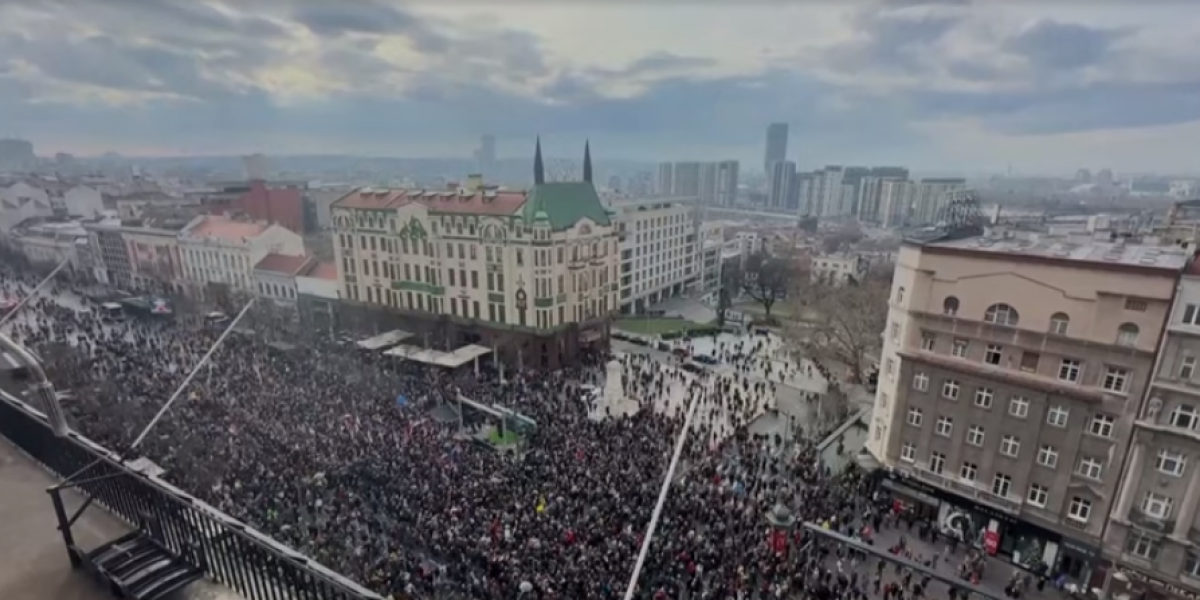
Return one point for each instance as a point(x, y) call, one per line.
point(223, 251)
point(658, 249)
point(20, 202)
point(838, 269)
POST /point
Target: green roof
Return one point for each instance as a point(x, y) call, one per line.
point(565, 203)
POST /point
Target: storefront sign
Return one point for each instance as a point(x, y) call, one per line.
point(1084, 550)
point(1169, 588)
point(904, 478)
point(991, 542)
point(910, 492)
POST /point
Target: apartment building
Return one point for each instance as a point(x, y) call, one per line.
point(658, 249)
point(533, 273)
point(1153, 533)
point(222, 252)
point(1012, 372)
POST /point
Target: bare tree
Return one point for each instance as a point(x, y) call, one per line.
point(850, 327)
point(731, 284)
point(766, 279)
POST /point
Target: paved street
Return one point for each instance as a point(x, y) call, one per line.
point(996, 574)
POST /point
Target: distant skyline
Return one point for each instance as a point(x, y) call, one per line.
point(942, 85)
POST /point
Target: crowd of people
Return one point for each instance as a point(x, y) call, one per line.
point(310, 446)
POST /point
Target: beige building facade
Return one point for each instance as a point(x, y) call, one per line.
point(1011, 373)
point(1153, 533)
point(533, 274)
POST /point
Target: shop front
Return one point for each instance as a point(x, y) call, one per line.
point(997, 532)
point(1132, 584)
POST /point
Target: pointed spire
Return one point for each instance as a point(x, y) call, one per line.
point(587, 161)
point(539, 170)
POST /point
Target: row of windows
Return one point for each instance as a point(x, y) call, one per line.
point(461, 307)
point(1005, 314)
point(1079, 509)
point(1117, 379)
point(1010, 445)
point(461, 250)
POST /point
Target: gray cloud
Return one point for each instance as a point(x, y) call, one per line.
point(1054, 46)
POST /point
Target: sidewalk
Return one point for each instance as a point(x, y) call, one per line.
point(996, 574)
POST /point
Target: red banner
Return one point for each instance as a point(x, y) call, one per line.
point(991, 542)
point(778, 541)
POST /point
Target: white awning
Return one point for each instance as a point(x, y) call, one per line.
point(384, 340)
point(452, 360)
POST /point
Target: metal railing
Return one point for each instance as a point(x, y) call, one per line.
point(230, 552)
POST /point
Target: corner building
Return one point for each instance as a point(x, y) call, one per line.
point(533, 274)
point(1012, 371)
point(1153, 536)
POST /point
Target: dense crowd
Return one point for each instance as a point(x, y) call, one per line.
point(311, 446)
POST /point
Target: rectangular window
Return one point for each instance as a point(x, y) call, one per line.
point(975, 435)
point(1018, 407)
point(895, 332)
point(1047, 456)
point(1187, 367)
point(950, 389)
point(1170, 463)
point(945, 425)
point(959, 348)
point(1143, 546)
point(908, 453)
point(1090, 467)
point(1057, 416)
point(1185, 416)
point(1001, 485)
point(1116, 379)
point(1080, 509)
point(937, 462)
point(889, 368)
point(1191, 314)
point(968, 472)
point(993, 354)
point(1038, 495)
point(915, 417)
point(928, 340)
point(983, 397)
point(475, 280)
point(1010, 445)
point(1135, 305)
point(920, 382)
point(1156, 506)
point(1102, 425)
point(1069, 370)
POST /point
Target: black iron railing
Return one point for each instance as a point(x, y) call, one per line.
point(230, 552)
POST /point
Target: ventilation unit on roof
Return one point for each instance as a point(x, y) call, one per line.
point(1148, 260)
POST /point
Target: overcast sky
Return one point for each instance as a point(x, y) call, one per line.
point(940, 85)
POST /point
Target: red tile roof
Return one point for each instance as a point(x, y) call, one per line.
point(281, 263)
point(479, 202)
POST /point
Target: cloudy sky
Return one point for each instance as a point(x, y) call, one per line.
point(930, 84)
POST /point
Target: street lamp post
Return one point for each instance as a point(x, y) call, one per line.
point(42, 388)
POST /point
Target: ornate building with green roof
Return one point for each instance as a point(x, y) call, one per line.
point(532, 273)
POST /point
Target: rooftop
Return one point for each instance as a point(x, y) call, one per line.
point(282, 263)
point(224, 228)
point(322, 270)
point(564, 203)
point(1146, 254)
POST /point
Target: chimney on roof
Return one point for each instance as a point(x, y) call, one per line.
point(474, 182)
point(539, 170)
point(587, 161)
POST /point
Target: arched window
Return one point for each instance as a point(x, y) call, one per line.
point(1059, 322)
point(1127, 334)
point(900, 295)
point(1001, 314)
point(950, 306)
